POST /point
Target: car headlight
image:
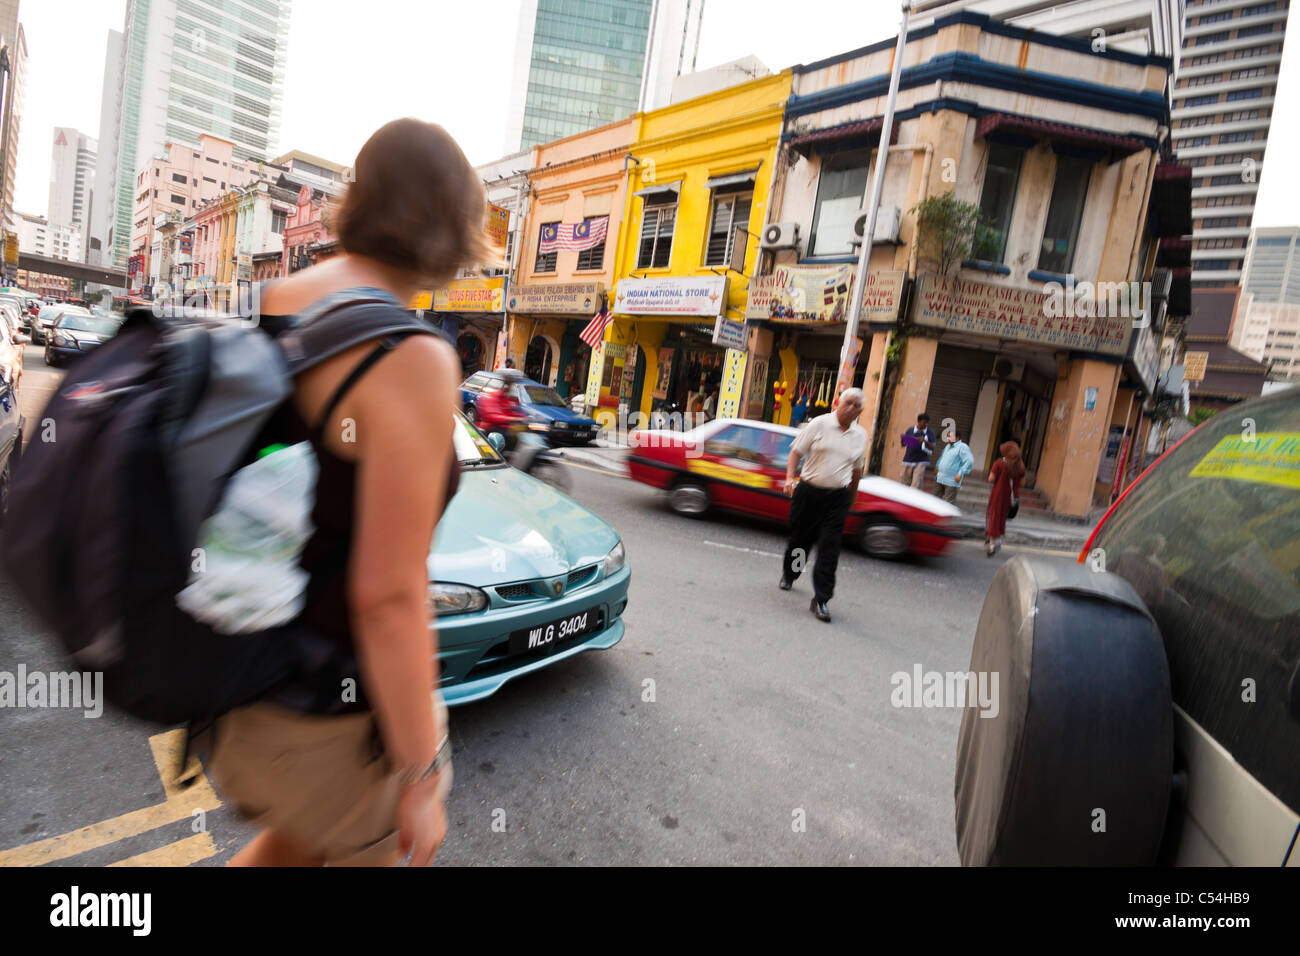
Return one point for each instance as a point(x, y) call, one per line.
point(539, 426)
point(448, 599)
point(615, 559)
point(61, 339)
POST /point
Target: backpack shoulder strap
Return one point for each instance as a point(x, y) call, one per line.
point(379, 351)
point(341, 320)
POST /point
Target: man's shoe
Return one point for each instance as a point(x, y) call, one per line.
point(786, 584)
point(819, 610)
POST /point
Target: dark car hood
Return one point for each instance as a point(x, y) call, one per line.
point(559, 413)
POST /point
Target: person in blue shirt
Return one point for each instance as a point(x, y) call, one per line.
point(954, 464)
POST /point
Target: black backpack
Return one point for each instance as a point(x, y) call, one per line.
point(128, 459)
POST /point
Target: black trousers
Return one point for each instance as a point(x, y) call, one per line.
point(817, 517)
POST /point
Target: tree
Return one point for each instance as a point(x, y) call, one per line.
point(950, 230)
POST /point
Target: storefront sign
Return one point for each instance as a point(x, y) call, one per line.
point(801, 294)
point(611, 381)
point(503, 350)
point(883, 296)
point(733, 376)
point(556, 298)
point(757, 386)
point(671, 296)
point(594, 374)
point(729, 334)
point(421, 300)
point(1194, 363)
point(1145, 356)
point(471, 295)
point(1009, 312)
point(498, 224)
point(11, 249)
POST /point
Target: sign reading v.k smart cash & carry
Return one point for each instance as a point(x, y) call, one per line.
point(671, 296)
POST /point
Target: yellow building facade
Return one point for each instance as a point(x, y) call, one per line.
point(699, 181)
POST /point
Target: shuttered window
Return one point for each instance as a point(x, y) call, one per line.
point(657, 232)
point(729, 211)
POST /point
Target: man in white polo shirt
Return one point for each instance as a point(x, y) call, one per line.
point(834, 449)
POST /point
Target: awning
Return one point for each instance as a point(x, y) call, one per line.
point(844, 136)
point(732, 179)
point(659, 189)
point(1170, 210)
point(1039, 129)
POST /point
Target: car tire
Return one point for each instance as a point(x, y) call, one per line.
point(6, 476)
point(472, 414)
point(689, 498)
point(1075, 765)
point(883, 537)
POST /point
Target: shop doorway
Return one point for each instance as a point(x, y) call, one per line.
point(575, 363)
point(538, 360)
point(471, 350)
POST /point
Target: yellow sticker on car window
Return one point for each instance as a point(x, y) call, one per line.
point(1271, 458)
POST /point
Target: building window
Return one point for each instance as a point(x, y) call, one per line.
point(178, 200)
point(593, 258)
point(1219, 222)
point(1246, 94)
point(178, 178)
point(1064, 214)
point(1194, 141)
point(1257, 30)
point(729, 210)
point(658, 221)
point(840, 188)
point(546, 261)
point(1201, 100)
point(998, 198)
point(1214, 18)
point(1257, 10)
point(1236, 137)
point(1212, 38)
point(278, 220)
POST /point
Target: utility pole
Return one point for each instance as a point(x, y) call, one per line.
point(873, 201)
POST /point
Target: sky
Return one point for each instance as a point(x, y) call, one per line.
point(450, 62)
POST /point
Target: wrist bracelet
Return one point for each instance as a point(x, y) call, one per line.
point(409, 776)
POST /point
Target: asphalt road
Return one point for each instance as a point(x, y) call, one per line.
point(729, 726)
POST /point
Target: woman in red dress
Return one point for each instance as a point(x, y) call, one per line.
point(1005, 478)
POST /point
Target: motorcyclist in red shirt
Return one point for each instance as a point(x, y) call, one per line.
point(497, 409)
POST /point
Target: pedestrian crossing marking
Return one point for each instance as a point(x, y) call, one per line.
point(181, 853)
point(179, 805)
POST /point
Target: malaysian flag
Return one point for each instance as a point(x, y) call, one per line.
point(595, 330)
point(583, 235)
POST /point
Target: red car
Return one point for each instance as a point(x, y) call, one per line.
point(739, 465)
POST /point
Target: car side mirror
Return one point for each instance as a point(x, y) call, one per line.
point(21, 339)
point(497, 441)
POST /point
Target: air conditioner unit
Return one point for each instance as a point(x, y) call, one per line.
point(889, 219)
point(1008, 369)
point(780, 235)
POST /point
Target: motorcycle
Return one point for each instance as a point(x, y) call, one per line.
point(532, 455)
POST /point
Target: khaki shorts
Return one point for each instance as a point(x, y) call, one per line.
point(322, 781)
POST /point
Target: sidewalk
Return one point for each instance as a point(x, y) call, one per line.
point(1029, 528)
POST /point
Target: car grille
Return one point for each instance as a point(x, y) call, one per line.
point(539, 590)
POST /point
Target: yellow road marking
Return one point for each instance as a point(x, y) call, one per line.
point(181, 853)
point(179, 805)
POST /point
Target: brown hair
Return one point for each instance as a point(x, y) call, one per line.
point(415, 203)
point(1011, 452)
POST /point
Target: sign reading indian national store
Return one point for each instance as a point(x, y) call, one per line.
point(1011, 312)
point(556, 298)
point(671, 295)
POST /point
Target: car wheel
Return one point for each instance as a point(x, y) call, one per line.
point(49, 358)
point(6, 476)
point(471, 414)
point(689, 498)
point(884, 538)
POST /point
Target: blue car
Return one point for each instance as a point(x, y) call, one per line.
point(548, 414)
point(521, 576)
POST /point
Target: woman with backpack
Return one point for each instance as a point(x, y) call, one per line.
point(348, 762)
point(1005, 477)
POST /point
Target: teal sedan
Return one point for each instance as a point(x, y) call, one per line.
point(521, 576)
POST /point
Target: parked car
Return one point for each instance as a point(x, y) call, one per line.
point(1167, 661)
point(12, 341)
point(20, 306)
point(45, 319)
point(548, 414)
point(525, 577)
point(739, 465)
point(74, 334)
point(11, 428)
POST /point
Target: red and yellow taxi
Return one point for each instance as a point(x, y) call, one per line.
point(739, 465)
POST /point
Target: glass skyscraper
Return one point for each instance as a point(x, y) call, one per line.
point(191, 67)
point(586, 65)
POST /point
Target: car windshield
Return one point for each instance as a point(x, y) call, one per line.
point(75, 322)
point(471, 447)
point(540, 395)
